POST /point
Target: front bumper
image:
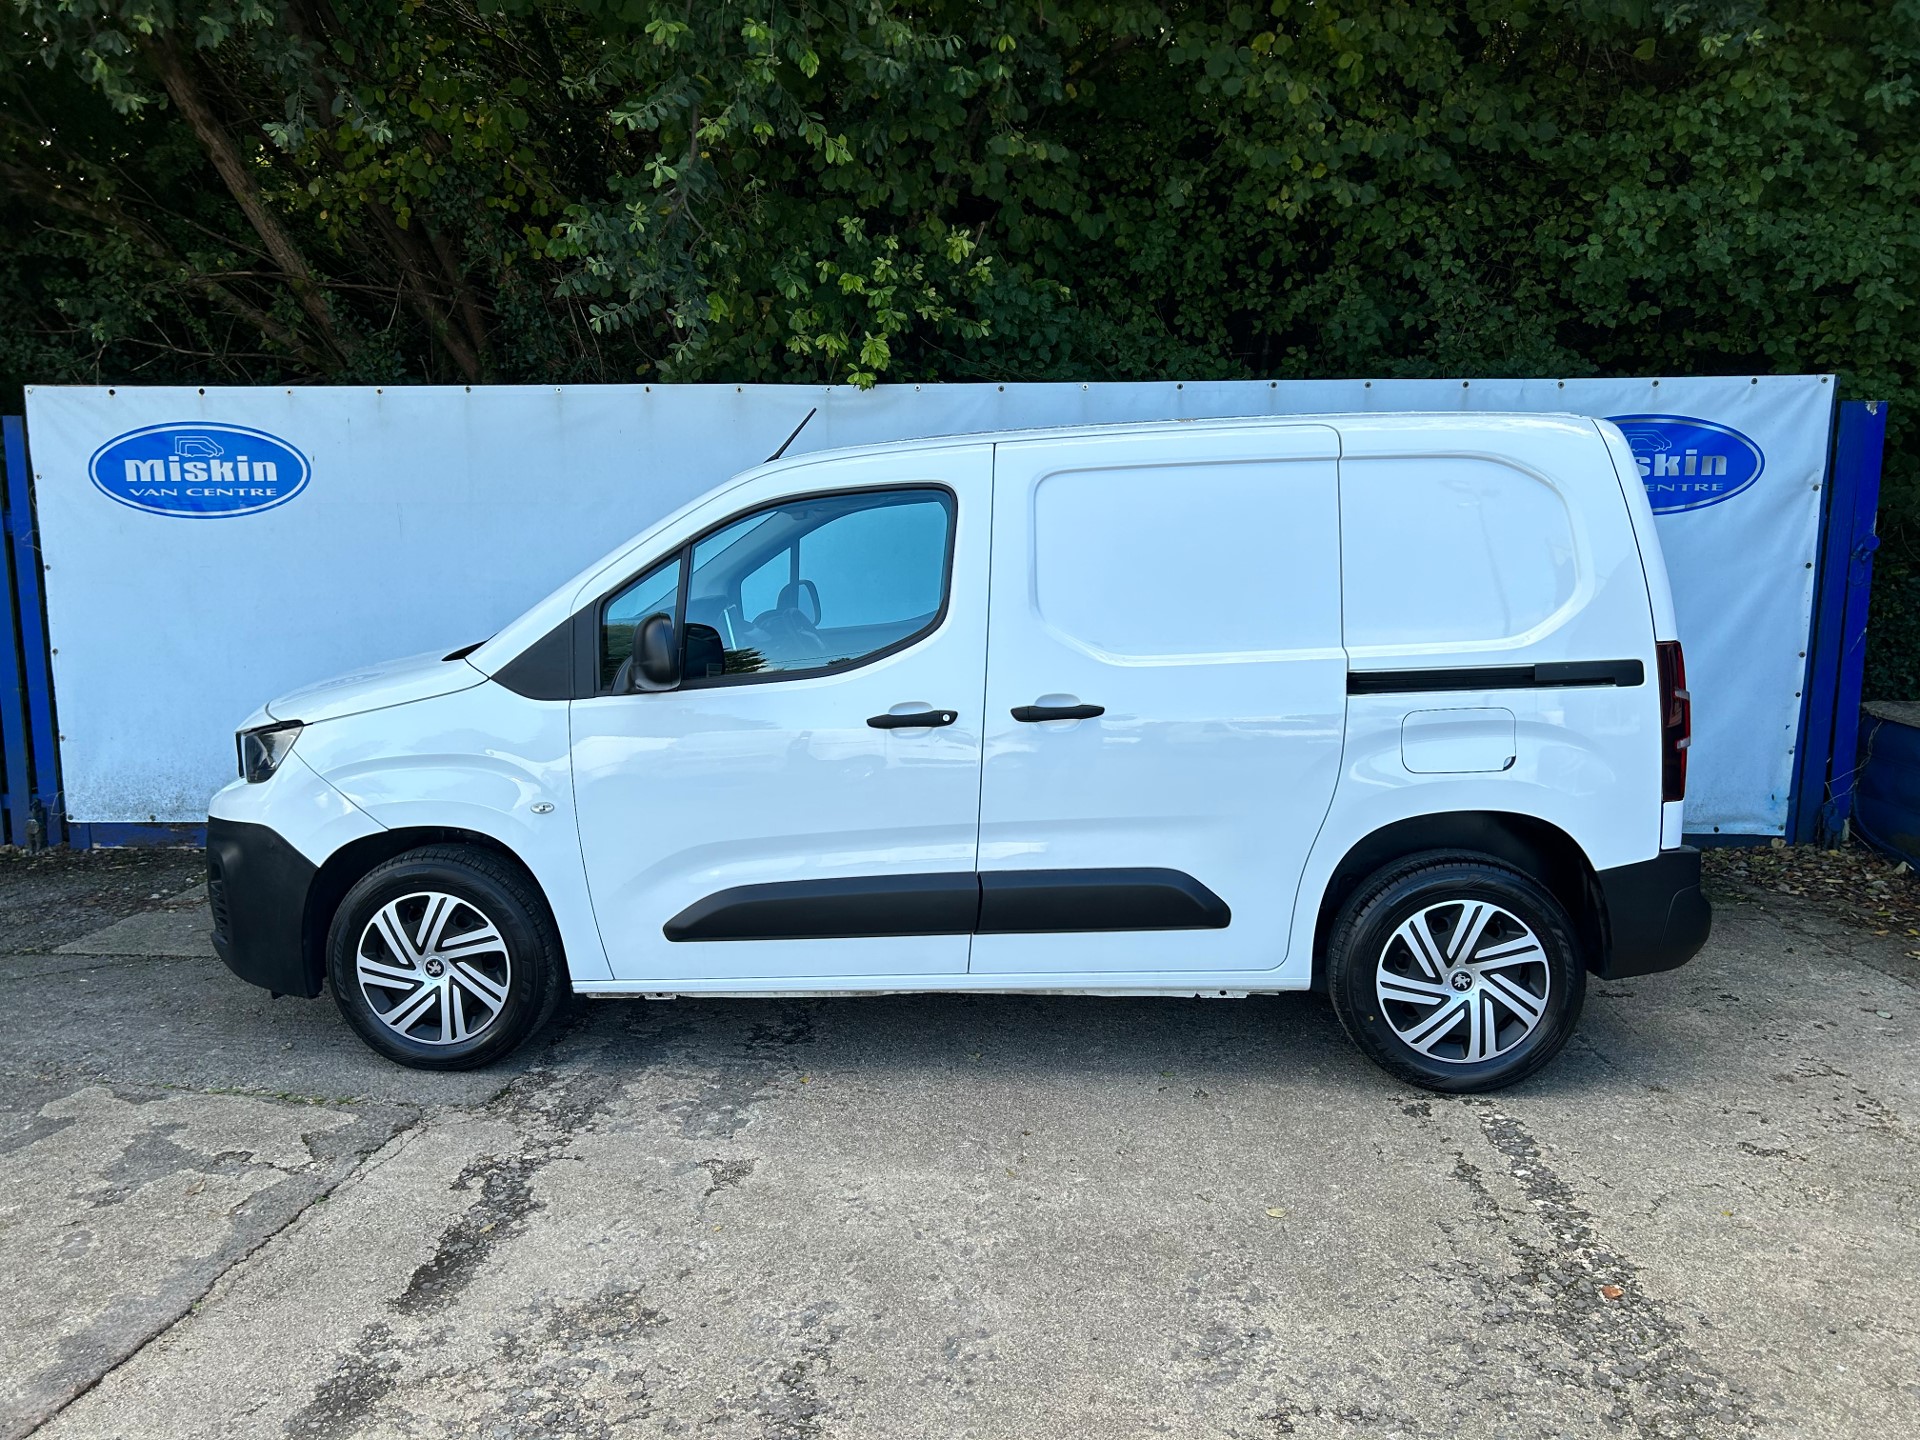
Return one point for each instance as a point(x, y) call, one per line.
point(257, 887)
point(1657, 916)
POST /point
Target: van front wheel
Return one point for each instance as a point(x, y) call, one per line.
point(1455, 972)
point(445, 958)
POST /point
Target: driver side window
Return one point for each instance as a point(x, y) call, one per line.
point(809, 585)
point(657, 590)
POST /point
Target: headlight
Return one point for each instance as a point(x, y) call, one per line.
point(262, 750)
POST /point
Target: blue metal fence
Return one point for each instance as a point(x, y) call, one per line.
point(33, 814)
point(1836, 666)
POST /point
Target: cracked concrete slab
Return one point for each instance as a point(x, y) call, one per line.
point(55, 896)
point(182, 931)
point(124, 1205)
point(981, 1216)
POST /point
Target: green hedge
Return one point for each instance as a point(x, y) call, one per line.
point(871, 189)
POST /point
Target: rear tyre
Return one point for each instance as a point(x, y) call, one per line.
point(445, 958)
point(1455, 972)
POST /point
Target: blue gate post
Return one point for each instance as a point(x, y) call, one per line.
point(1857, 455)
point(14, 770)
point(42, 802)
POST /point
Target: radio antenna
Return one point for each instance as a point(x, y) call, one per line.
point(791, 438)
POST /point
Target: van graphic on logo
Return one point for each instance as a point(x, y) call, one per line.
point(201, 471)
point(1689, 464)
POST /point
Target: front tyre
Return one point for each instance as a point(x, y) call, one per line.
point(445, 958)
point(1455, 972)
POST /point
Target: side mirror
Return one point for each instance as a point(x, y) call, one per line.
point(656, 654)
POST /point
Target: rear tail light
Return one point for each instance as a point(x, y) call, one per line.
point(1676, 720)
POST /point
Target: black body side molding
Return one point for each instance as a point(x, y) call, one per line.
point(837, 909)
point(1041, 902)
point(1554, 675)
point(1003, 902)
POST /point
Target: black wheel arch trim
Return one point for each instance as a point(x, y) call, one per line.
point(1633, 919)
point(273, 907)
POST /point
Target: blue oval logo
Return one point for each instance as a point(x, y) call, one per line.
point(1689, 464)
point(200, 471)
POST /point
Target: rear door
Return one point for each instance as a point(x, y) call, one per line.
point(1179, 591)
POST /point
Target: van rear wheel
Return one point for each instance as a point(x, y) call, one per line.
point(445, 958)
point(1455, 972)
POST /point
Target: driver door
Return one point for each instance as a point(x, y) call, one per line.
point(807, 804)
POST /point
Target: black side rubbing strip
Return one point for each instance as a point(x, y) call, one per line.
point(1035, 902)
point(1005, 902)
point(1554, 675)
point(837, 909)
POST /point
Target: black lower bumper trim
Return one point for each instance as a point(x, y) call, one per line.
point(257, 887)
point(1657, 916)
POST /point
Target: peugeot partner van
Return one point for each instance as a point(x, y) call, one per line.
point(1388, 705)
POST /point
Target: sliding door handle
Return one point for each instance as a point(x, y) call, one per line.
point(914, 720)
point(1029, 714)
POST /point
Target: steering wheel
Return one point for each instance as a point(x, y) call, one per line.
point(790, 634)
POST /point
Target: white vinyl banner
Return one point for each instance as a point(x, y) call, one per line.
point(209, 549)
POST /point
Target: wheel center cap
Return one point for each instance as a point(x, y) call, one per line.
point(1461, 980)
point(437, 968)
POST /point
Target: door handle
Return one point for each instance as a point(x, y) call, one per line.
point(1028, 714)
point(917, 719)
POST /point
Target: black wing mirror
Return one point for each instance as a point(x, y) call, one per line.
point(656, 654)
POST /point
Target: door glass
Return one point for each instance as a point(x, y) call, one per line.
point(657, 590)
point(871, 575)
point(887, 565)
point(760, 591)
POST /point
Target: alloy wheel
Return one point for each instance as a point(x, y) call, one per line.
point(1463, 981)
point(433, 968)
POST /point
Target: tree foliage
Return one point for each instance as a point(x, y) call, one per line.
point(862, 190)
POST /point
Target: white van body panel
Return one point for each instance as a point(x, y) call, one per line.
point(1213, 645)
point(1336, 563)
point(480, 760)
point(312, 816)
point(1467, 544)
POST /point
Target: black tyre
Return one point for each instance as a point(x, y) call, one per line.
point(445, 958)
point(1455, 972)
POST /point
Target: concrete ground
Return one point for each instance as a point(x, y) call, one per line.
point(940, 1216)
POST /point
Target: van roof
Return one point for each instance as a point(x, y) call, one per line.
point(1451, 421)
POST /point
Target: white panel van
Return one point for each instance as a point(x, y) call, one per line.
point(1386, 705)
